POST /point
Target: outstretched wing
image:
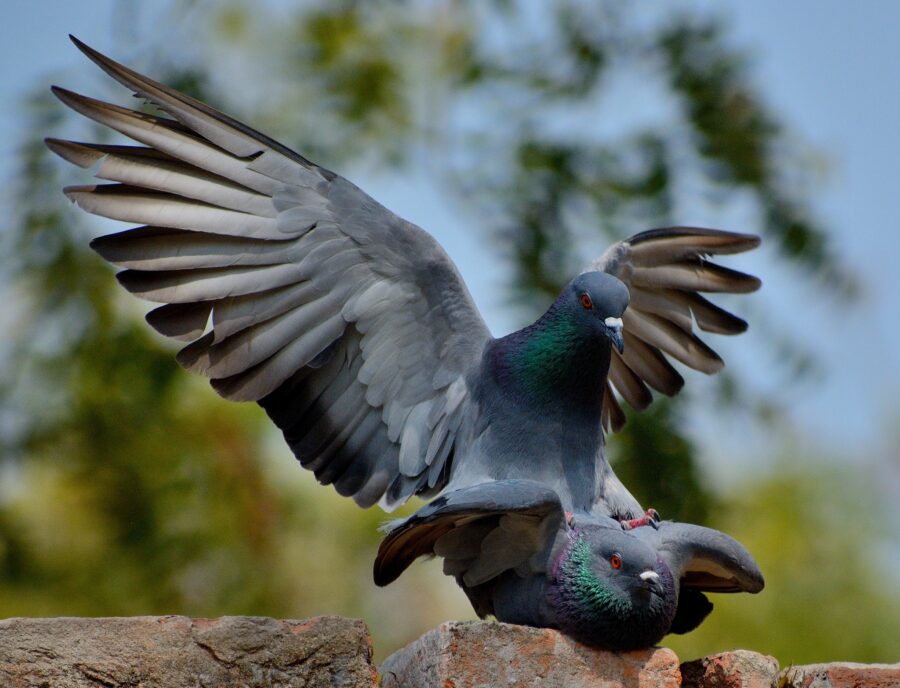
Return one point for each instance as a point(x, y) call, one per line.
point(480, 531)
point(665, 270)
point(349, 325)
point(704, 559)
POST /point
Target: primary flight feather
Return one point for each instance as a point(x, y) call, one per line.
point(354, 330)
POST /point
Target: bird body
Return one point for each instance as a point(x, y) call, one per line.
point(519, 557)
point(538, 395)
point(353, 329)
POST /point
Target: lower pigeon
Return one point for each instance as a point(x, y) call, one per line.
point(522, 559)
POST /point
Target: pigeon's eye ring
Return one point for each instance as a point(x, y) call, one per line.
point(616, 561)
point(586, 302)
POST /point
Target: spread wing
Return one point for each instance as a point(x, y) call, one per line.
point(665, 271)
point(704, 559)
point(479, 531)
point(349, 325)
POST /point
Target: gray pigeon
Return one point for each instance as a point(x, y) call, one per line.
point(353, 329)
point(520, 558)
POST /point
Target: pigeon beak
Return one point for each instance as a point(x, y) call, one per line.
point(614, 325)
point(652, 583)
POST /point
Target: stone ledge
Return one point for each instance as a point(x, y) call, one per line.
point(479, 654)
point(329, 651)
point(169, 651)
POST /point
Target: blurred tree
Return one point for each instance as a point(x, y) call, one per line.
point(125, 470)
point(132, 489)
point(829, 594)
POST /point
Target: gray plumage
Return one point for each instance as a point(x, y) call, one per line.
point(520, 558)
point(353, 328)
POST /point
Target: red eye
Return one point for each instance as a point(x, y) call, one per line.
point(586, 302)
point(616, 561)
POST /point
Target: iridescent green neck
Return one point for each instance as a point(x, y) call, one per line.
point(585, 589)
point(545, 356)
point(559, 356)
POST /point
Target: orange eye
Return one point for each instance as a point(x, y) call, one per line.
point(616, 561)
point(586, 302)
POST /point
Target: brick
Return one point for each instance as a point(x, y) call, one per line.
point(737, 669)
point(494, 655)
point(841, 675)
point(164, 651)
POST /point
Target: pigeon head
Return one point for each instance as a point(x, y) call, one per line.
point(610, 589)
point(598, 299)
point(564, 356)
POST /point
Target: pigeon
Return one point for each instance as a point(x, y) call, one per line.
point(520, 558)
point(353, 328)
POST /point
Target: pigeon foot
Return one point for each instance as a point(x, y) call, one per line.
point(651, 518)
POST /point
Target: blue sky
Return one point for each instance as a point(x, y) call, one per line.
point(832, 74)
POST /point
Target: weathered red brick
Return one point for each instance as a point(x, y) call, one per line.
point(737, 669)
point(841, 675)
point(178, 651)
point(482, 654)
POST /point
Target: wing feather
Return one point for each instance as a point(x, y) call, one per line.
point(165, 248)
point(612, 417)
point(480, 531)
point(183, 321)
point(632, 388)
point(149, 169)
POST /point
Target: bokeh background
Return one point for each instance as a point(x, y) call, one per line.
point(525, 136)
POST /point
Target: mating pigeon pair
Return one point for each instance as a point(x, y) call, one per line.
point(353, 329)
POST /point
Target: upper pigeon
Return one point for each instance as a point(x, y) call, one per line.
point(353, 329)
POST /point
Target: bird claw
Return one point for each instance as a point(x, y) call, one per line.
point(570, 518)
point(650, 518)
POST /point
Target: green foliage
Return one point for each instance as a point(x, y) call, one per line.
point(361, 77)
point(110, 515)
point(128, 488)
